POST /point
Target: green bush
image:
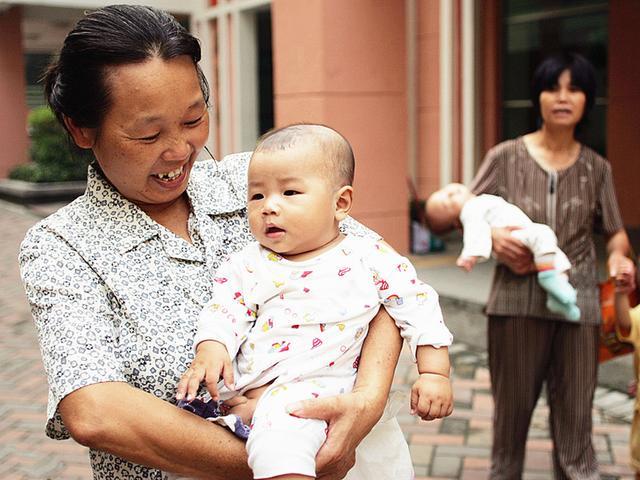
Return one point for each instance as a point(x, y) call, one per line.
point(54, 157)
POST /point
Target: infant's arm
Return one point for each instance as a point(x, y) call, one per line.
point(431, 394)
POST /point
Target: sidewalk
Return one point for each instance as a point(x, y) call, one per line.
point(457, 447)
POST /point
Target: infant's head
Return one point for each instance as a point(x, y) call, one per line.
point(300, 180)
point(444, 206)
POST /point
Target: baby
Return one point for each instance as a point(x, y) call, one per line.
point(454, 206)
point(292, 310)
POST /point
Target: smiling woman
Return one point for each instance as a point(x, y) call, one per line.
point(117, 279)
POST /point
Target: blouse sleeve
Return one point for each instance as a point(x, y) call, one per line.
point(485, 180)
point(609, 219)
point(74, 316)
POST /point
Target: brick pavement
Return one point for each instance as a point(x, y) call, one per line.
point(456, 447)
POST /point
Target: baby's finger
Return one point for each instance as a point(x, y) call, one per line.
point(414, 400)
point(193, 382)
point(211, 383)
point(182, 386)
point(227, 375)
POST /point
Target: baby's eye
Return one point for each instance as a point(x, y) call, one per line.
point(256, 196)
point(290, 192)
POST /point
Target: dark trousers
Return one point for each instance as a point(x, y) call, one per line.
point(524, 352)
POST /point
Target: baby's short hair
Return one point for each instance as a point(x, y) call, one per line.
point(340, 161)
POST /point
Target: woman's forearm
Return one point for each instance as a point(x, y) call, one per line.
point(122, 420)
point(378, 359)
point(619, 243)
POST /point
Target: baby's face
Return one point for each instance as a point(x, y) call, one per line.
point(446, 204)
point(291, 200)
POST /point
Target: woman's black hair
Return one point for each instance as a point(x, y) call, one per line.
point(74, 84)
point(583, 76)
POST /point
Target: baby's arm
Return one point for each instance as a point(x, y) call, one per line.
point(223, 325)
point(431, 395)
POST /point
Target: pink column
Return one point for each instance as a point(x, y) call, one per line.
point(623, 113)
point(344, 64)
point(13, 113)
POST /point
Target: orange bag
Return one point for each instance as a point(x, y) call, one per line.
point(610, 347)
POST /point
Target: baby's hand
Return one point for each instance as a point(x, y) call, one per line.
point(467, 262)
point(212, 361)
point(431, 396)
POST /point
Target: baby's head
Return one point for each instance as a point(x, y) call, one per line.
point(444, 206)
point(300, 180)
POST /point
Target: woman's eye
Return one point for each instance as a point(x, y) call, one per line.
point(289, 193)
point(150, 138)
point(256, 196)
point(195, 122)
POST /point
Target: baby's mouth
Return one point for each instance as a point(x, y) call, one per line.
point(272, 231)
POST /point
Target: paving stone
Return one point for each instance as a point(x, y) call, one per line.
point(446, 466)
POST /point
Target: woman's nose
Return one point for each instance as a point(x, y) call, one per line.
point(177, 148)
point(563, 93)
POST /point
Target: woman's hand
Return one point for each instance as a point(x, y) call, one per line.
point(350, 417)
point(622, 271)
point(511, 251)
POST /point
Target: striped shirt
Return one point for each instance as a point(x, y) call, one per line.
point(575, 202)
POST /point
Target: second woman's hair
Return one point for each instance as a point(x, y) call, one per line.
point(583, 76)
point(75, 84)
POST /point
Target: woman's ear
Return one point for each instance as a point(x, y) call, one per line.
point(344, 201)
point(83, 137)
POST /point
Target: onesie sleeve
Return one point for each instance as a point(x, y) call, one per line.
point(227, 318)
point(411, 303)
point(476, 231)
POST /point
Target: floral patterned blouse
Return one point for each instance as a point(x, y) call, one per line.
point(116, 297)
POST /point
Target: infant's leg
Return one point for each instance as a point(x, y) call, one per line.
point(281, 444)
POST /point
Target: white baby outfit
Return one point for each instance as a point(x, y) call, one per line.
point(301, 326)
point(484, 212)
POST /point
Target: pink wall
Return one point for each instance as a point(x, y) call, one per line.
point(344, 64)
point(428, 45)
point(623, 122)
point(13, 112)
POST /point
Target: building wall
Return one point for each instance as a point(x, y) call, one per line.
point(13, 113)
point(623, 122)
point(344, 64)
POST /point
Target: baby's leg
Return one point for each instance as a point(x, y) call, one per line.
point(550, 262)
point(281, 445)
point(244, 405)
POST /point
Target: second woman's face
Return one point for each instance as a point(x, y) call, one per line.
point(563, 105)
point(155, 128)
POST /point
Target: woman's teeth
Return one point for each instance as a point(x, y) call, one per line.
point(169, 175)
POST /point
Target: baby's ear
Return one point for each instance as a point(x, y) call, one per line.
point(344, 200)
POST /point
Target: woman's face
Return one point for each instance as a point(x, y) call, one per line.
point(562, 105)
point(157, 124)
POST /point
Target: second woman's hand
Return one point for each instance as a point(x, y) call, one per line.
point(511, 251)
